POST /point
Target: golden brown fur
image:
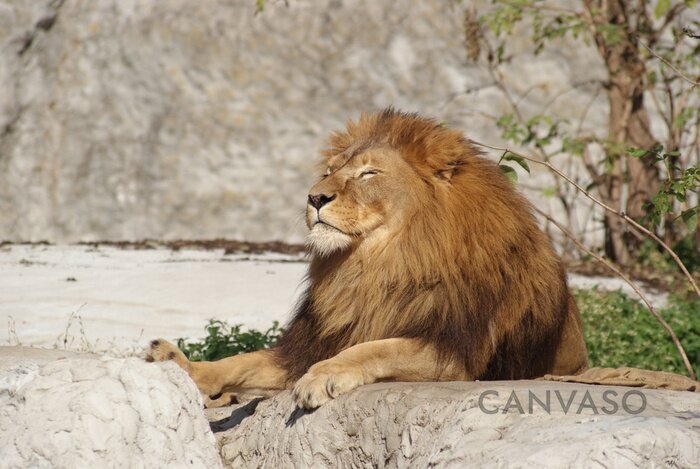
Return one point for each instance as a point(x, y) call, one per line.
point(419, 239)
point(469, 271)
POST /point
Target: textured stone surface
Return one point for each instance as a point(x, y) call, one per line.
point(87, 412)
point(61, 409)
point(126, 119)
point(441, 425)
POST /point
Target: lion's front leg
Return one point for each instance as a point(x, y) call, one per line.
point(248, 371)
point(379, 360)
point(328, 379)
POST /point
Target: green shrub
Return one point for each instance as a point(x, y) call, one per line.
point(654, 258)
point(620, 331)
point(687, 250)
point(224, 340)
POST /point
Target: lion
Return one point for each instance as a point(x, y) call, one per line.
point(426, 265)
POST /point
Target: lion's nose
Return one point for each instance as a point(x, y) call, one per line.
point(319, 200)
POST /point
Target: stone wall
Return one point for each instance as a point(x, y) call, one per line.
point(128, 119)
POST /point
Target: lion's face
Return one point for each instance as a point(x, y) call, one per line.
point(360, 197)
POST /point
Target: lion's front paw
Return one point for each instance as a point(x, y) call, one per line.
point(160, 350)
point(325, 381)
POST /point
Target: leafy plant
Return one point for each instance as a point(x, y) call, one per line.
point(649, 256)
point(687, 250)
point(224, 340)
point(508, 170)
point(674, 188)
point(652, 66)
point(620, 332)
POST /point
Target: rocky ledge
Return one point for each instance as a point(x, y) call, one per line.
point(56, 411)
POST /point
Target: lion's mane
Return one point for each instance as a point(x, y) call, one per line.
point(470, 273)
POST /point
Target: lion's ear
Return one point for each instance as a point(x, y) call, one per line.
point(446, 174)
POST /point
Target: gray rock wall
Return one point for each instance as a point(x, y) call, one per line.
point(122, 119)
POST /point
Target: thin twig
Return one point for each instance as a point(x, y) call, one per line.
point(632, 222)
point(12, 331)
point(634, 286)
point(499, 82)
point(70, 323)
point(569, 89)
point(584, 114)
point(669, 65)
point(660, 110)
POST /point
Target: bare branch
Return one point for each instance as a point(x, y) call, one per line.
point(660, 110)
point(669, 65)
point(630, 221)
point(584, 114)
point(634, 286)
point(690, 33)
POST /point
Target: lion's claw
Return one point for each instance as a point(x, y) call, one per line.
point(325, 381)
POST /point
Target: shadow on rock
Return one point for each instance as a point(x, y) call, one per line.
point(296, 415)
point(236, 417)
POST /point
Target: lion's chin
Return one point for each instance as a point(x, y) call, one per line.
point(324, 240)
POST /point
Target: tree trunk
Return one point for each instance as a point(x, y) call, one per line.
point(628, 125)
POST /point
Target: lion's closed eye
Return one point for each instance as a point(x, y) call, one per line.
point(368, 174)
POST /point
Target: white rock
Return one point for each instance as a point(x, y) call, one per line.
point(443, 425)
point(49, 420)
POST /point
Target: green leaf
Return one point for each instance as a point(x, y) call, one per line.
point(690, 217)
point(662, 8)
point(224, 340)
point(611, 34)
point(549, 192)
point(653, 77)
point(573, 146)
point(683, 117)
point(509, 172)
point(518, 159)
point(662, 203)
point(637, 152)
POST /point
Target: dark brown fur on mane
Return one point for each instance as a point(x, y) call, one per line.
point(471, 273)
